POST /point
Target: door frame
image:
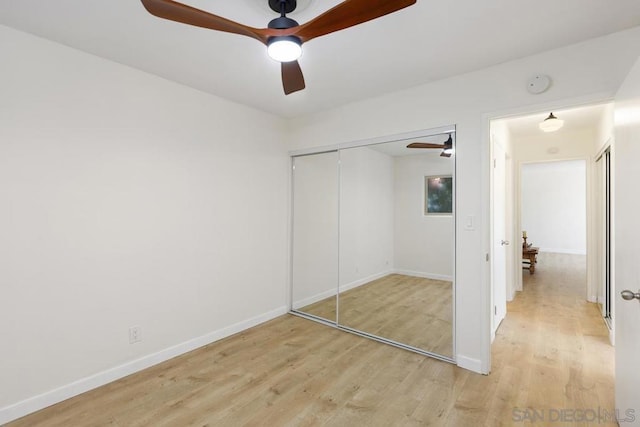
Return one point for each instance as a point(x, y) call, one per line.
point(608, 147)
point(590, 209)
point(487, 237)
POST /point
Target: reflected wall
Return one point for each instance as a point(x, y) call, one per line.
point(387, 211)
point(315, 235)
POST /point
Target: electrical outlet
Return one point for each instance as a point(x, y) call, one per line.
point(135, 334)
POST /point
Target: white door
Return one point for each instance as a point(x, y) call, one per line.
point(626, 152)
point(500, 241)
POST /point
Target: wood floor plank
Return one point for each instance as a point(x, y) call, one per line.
point(551, 353)
point(411, 310)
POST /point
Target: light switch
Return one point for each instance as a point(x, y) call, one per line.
point(470, 223)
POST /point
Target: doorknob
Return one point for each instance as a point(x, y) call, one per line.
point(504, 242)
point(628, 295)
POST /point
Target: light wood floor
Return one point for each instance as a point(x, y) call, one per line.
point(551, 352)
point(410, 310)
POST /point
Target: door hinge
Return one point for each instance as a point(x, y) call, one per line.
point(494, 163)
point(495, 310)
point(486, 257)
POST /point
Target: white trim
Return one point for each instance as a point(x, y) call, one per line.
point(372, 141)
point(563, 251)
point(471, 364)
point(612, 335)
point(603, 149)
point(425, 275)
point(296, 305)
point(365, 280)
point(41, 401)
point(360, 282)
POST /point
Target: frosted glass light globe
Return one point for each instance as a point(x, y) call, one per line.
point(551, 124)
point(284, 49)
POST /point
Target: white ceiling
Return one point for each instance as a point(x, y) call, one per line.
point(585, 118)
point(428, 41)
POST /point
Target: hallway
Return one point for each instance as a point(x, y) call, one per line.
point(552, 351)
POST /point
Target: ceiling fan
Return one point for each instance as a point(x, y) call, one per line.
point(447, 147)
point(283, 36)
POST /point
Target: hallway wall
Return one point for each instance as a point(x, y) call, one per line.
point(554, 202)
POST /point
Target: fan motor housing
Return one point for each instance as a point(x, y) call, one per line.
point(282, 23)
point(290, 5)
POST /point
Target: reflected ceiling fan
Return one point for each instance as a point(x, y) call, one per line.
point(447, 147)
point(283, 36)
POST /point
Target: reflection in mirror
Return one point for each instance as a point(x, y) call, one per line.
point(397, 243)
point(315, 235)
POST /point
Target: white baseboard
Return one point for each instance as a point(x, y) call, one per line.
point(313, 299)
point(425, 275)
point(356, 283)
point(612, 337)
point(469, 363)
point(35, 403)
point(365, 280)
point(332, 292)
point(563, 251)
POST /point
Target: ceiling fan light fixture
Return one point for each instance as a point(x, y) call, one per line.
point(284, 48)
point(551, 124)
point(283, 35)
point(447, 151)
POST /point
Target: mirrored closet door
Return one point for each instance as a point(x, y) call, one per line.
point(391, 225)
point(396, 244)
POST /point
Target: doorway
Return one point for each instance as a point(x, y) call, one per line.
point(554, 221)
point(553, 208)
point(552, 322)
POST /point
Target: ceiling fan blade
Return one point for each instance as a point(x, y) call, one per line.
point(178, 12)
point(425, 145)
point(292, 78)
point(445, 154)
point(347, 14)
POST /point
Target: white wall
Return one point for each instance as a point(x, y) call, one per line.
point(366, 215)
point(585, 72)
point(423, 243)
point(126, 200)
point(554, 202)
